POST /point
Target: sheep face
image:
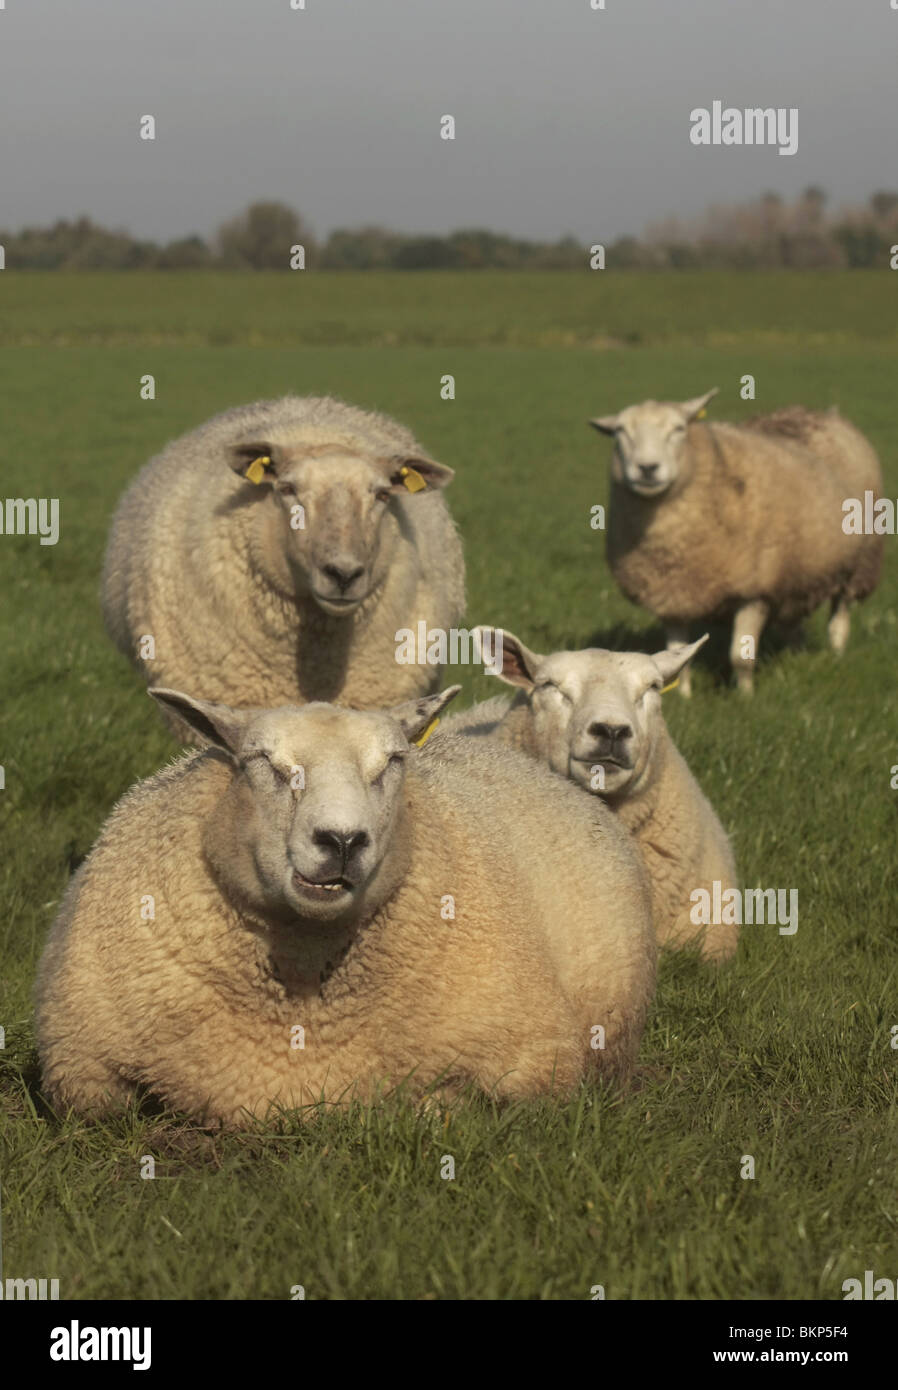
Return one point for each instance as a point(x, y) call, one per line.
point(338, 520)
point(595, 715)
point(649, 454)
point(305, 827)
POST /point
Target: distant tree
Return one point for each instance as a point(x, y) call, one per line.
point(810, 207)
point(369, 248)
point(427, 253)
point(884, 205)
point(862, 244)
point(187, 253)
point(814, 196)
point(627, 253)
point(111, 251)
point(681, 256)
point(565, 254)
point(261, 237)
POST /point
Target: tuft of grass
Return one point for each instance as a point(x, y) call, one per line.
point(785, 1056)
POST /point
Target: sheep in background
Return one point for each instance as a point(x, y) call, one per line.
point(595, 717)
point(271, 555)
point(738, 521)
point(300, 873)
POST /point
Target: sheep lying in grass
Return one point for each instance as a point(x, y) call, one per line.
point(452, 918)
point(595, 717)
point(271, 556)
point(739, 521)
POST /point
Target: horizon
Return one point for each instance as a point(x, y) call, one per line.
point(569, 121)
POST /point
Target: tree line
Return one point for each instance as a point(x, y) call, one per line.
point(767, 233)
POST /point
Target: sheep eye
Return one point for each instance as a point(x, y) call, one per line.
point(383, 494)
point(276, 771)
point(550, 685)
point(393, 760)
point(287, 489)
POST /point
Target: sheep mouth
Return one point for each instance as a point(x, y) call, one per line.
point(603, 760)
point(646, 489)
point(335, 605)
point(321, 888)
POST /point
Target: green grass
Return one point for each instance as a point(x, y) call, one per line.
point(785, 1055)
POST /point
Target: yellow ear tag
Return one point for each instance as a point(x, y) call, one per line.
point(673, 685)
point(412, 479)
point(701, 415)
point(256, 471)
point(420, 742)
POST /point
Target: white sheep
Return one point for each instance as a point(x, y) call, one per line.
point(310, 909)
point(739, 521)
point(271, 556)
point(595, 717)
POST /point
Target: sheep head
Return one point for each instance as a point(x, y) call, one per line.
point(595, 715)
point(330, 503)
point(649, 442)
point(306, 824)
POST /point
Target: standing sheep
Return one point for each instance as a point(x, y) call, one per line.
point(312, 909)
point(739, 521)
point(271, 556)
point(595, 717)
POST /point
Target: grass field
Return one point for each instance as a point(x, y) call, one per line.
point(785, 1055)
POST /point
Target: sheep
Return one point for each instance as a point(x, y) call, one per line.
point(595, 717)
point(739, 521)
point(312, 909)
point(271, 556)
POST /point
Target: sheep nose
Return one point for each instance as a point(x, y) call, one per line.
point(614, 733)
point(344, 842)
point(648, 470)
point(344, 576)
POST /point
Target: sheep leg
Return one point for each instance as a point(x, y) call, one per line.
point(677, 636)
point(92, 1088)
point(748, 625)
point(839, 625)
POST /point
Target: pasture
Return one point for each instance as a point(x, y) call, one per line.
point(786, 1055)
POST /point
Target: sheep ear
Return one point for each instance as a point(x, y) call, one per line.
point(257, 461)
point(418, 716)
point(606, 424)
point(695, 407)
point(671, 663)
point(216, 724)
point(511, 661)
point(418, 474)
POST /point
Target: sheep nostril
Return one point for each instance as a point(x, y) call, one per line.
point(648, 470)
point(613, 733)
point(343, 578)
point(346, 843)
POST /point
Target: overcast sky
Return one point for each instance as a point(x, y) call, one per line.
point(568, 119)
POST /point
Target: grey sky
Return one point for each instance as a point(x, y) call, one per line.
point(568, 119)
